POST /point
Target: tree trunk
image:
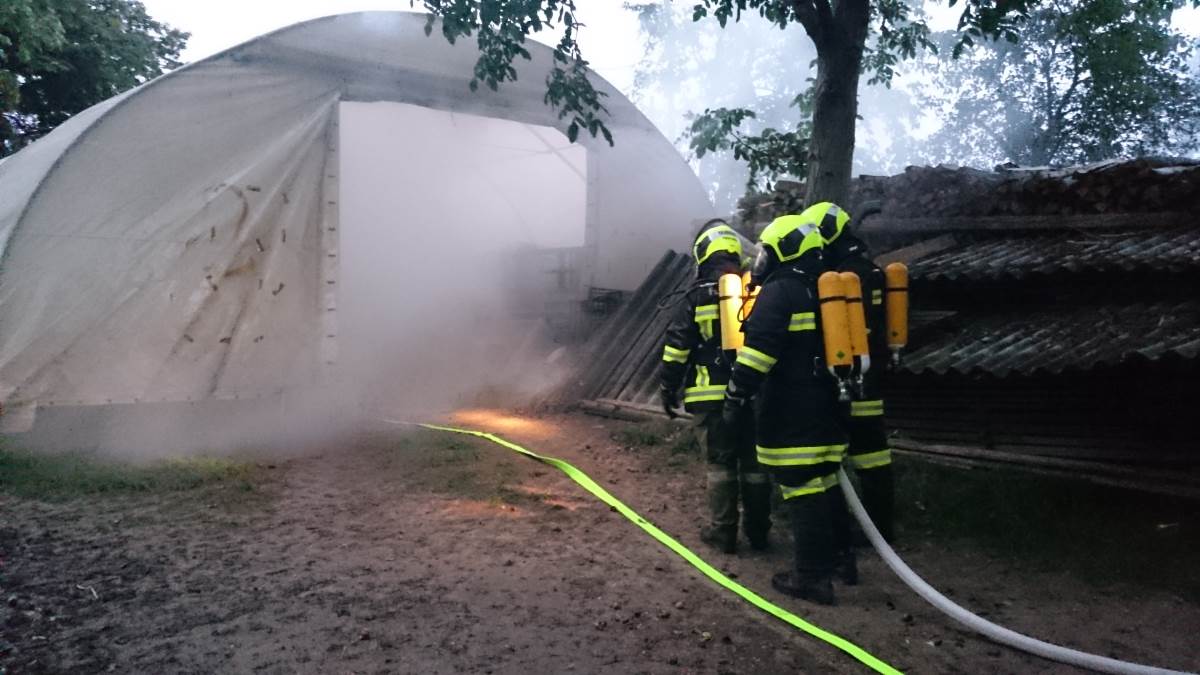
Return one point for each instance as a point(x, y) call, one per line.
point(835, 104)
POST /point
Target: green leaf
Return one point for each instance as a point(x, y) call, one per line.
point(67, 55)
point(573, 132)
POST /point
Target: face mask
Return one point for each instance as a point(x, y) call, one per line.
point(764, 264)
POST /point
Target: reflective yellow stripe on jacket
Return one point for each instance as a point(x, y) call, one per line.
point(812, 487)
point(756, 359)
point(705, 316)
point(866, 408)
point(803, 321)
point(804, 455)
point(712, 392)
point(703, 389)
point(675, 355)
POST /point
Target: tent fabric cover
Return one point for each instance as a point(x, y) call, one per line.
point(180, 241)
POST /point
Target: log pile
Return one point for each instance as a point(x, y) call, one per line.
point(1144, 185)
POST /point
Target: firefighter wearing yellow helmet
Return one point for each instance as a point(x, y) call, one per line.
point(694, 360)
point(782, 363)
point(869, 453)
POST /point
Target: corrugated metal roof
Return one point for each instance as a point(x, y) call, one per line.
point(1018, 255)
point(621, 361)
point(1054, 340)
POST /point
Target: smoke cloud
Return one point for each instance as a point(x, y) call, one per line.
point(441, 214)
point(449, 231)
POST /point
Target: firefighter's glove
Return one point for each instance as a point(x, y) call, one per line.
point(733, 409)
point(670, 401)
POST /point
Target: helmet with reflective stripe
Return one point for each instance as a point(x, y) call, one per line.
point(790, 237)
point(829, 218)
point(787, 238)
point(717, 236)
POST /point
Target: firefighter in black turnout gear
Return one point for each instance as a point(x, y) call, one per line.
point(800, 437)
point(869, 452)
point(694, 361)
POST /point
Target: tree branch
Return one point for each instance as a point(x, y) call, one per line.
point(1060, 121)
point(806, 13)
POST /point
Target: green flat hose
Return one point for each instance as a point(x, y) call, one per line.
point(682, 551)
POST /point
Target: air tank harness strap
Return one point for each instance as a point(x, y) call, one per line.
point(679, 549)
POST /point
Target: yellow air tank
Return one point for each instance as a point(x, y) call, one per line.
point(748, 298)
point(897, 308)
point(835, 326)
point(729, 301)
point(857, 317)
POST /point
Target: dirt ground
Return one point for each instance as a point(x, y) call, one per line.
point(403, 551)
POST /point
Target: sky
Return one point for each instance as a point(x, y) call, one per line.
point(609, 40)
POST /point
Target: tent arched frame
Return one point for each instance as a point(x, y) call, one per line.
point(140, 208)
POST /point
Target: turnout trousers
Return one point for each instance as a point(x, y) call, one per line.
point(733, 472)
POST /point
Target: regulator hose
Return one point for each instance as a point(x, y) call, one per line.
point(980, 625)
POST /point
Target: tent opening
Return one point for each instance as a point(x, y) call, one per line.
point(456, 233)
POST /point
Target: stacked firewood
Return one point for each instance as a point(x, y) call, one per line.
point(1144, 185)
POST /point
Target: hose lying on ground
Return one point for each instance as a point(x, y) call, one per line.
point(980, 625)
point(682, 551)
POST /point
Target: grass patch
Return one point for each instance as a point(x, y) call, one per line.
point(64, 476)
point(673, 444)
point(640, 435)
point(1098, 533)
point(457, 466)
point(675, 438)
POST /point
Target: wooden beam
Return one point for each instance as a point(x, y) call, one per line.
point(625, 410)
point(918, 250)
point(1176, 483)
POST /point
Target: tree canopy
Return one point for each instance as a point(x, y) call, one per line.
point(1089, 80)
point(57, 57)
point(690, 65)
point(850, 37)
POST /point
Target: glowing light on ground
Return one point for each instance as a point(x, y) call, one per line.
point(502, 421)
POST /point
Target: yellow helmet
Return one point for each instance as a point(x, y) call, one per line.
point(717, 236)
point(829, 218)
point(787, 238)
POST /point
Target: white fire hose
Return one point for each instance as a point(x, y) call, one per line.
point(980, 625)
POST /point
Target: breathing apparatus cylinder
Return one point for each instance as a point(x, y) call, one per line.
point(835, 328)
point(729, 301)
point(897, 309)
point(749, 296)
point(857, 317)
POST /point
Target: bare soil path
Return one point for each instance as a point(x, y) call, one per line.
point(404, 551)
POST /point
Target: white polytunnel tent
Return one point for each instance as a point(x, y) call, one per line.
point(187, 240)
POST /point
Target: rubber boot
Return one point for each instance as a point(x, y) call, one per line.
point(721, 534)
point(879, 487)
point(756, 509)
point(812, 558)
point(845, 564)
